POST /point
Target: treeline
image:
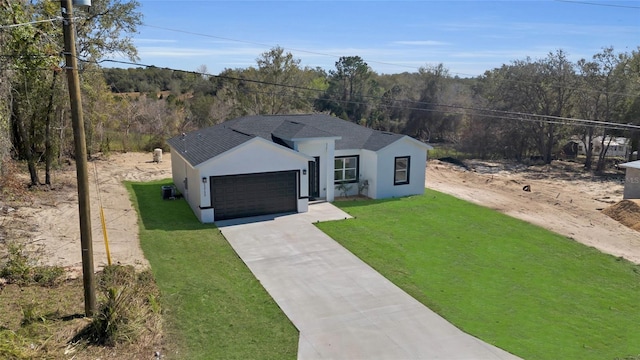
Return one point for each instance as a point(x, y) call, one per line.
point(528, 107)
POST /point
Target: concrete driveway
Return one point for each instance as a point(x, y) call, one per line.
point(342, 307)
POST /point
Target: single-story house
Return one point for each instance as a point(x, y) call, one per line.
point(615, 146)
point(257, 165)
point(631, 180)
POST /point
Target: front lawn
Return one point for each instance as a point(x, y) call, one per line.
point(215, 306)
point(534, 293)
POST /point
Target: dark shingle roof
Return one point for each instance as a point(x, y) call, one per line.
point(204, 144)
point(289, 130)
point(201, 145)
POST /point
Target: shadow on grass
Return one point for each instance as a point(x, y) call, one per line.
point(158, 214)
point(345, 204)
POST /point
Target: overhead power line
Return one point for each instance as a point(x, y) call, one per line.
point(415, 105)
point(271, 46)
point(57, 18)
point(599, 4)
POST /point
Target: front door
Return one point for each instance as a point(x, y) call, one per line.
point(314, 178)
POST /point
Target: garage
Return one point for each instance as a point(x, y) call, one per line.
point(244, 195)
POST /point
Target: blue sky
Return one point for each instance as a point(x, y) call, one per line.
point(468, 37)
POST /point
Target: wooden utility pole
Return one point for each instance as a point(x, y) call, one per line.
point(82, 173)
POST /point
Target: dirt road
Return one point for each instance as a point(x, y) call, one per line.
point(562, 199)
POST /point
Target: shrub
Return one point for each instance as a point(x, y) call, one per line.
point(19, 269)
point(129, 304)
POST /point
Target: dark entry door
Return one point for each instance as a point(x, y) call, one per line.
point(314, 178)
point(245, 195)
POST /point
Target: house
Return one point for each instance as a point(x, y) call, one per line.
point(617, 146)
point(631, 180)
point(256, 165)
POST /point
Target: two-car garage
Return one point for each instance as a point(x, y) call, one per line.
point(244, 195)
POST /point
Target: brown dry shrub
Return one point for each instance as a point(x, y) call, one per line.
point(12, 187)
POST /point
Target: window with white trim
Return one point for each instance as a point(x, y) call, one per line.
point(401, 170)
point(346, 169)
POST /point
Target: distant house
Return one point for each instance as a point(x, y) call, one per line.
point(631, 180)
point(618, 146)
point(257, 165)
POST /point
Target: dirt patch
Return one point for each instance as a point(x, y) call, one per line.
point(49, 221)
point(627, 212)
point(562, 198)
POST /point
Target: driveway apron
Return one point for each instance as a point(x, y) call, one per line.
point(342, 307)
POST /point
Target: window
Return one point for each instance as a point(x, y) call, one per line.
point(401, 170)
point(346, 169)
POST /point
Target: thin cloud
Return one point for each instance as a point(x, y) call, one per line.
point(195, 52)
point(420, 43)
point(155, 41)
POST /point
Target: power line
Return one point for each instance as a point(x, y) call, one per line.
point(599, 4)
point(491, 113)
point(57, 18)
point(271, 46)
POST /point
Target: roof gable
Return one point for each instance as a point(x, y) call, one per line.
point(201, 145)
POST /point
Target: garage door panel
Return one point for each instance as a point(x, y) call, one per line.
point(253, 194)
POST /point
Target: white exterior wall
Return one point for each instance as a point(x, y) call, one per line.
point(369, 171)
point(178, 170)
point(187, 182)
point(325, 149)
point(632, 184)
point(192, 192)
point(254, 156)
point(385, 187)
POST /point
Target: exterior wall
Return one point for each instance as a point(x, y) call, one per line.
point(385, 187)
point(631, 184)
point(369, 171)
point(255, 156)
point(193, 190)
point(325, 149)
point(186, 179)
point(178, 170)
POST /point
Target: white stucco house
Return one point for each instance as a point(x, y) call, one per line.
point(631, 180)
point(257, 165)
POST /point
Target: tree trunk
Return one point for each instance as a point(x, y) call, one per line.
point(550, 142)
point(588, 146)
point(48, 149)
point(26, 150)
point(602, 157)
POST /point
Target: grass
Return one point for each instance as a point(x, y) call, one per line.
point(534, 293)
point(216, 307)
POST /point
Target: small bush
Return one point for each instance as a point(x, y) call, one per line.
point(19, 269)
point(129, 304)
point(156, 142)
point(13, 346)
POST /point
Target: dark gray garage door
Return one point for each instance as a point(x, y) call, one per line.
point(245, 195)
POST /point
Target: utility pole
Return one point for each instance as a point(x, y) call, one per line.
point(82, 173)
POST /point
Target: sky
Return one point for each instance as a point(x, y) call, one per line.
point(468, 37)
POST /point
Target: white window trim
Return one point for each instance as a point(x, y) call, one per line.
point(343, 169)
point(406, 170)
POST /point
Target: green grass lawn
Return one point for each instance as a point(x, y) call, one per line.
point(534, 293)
point(215, 306)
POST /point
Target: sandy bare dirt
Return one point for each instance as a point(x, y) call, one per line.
point(562, 199)
point(51, 222)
